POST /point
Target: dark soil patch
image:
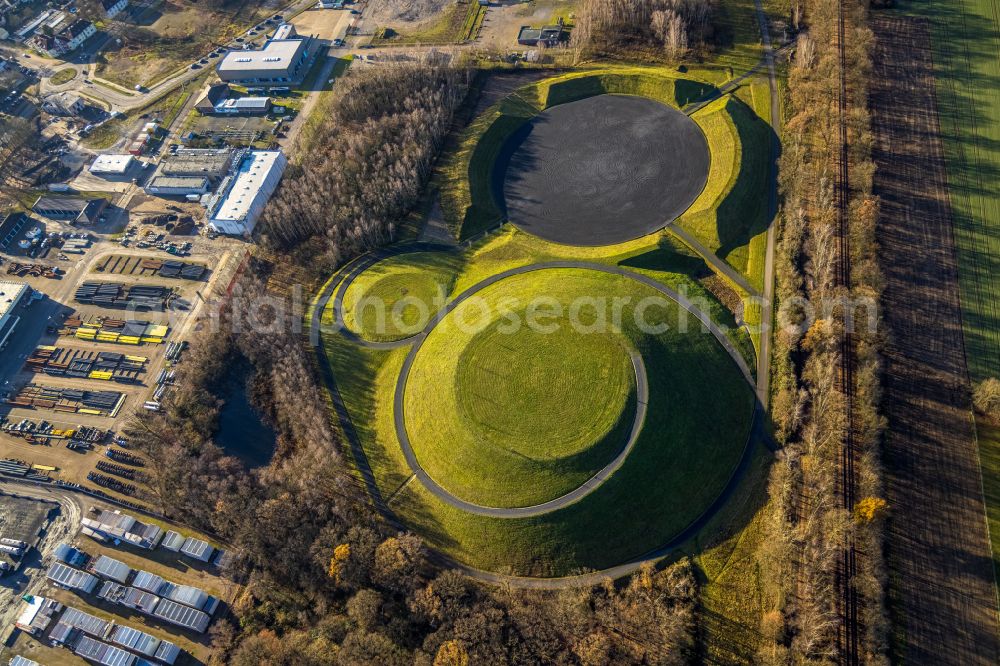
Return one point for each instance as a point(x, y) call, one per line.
point(942, 595)
point(602, 170)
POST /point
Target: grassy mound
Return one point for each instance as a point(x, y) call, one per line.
point(697, 423)
point(63, 76)
point(395, 298)
point(514, 418)
point(467, 187)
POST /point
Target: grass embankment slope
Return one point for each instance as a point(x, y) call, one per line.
point(697, 423)
point(966, 36)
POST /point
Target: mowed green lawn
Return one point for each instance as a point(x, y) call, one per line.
point(501, 413)
point(396, 297)
point(967, 71)
point(698, 420)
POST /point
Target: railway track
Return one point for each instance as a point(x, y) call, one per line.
point(848, 637)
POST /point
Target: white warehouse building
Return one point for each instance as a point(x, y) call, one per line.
point(240, 200)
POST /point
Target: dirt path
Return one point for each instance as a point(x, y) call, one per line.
point(942, 595)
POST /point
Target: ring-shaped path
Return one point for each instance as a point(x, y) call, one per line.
point(399, 417)
point(360, 267)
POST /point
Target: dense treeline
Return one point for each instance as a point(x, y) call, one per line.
point(367, 164)
point(18, 141)
point(609, 26)
point(806, 524)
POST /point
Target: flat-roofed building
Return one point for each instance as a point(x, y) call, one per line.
point(74, 209)
point(247, 106)
point(135, 640)
point(239, 203)
point(280, 62)
point(70, 578)
point(112, 165)
point(108, 567)
point(173, 541)
point(12, 294)
point(182, 616)
point(147, 581)
point(18, 660)
point(129, 597)
point(85, 622)
point(167, 652)
point(197, 549)
point(37, 615)
point(173, 186)
point(102, 653)
point(117, 525)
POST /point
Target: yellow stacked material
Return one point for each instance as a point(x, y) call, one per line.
point(85, 333)
point(46, 347)
point(136, 359)
point(155, 341)
point(63, 433)
point(95, 412)
point(107, 337)
point(44, 468)
point(155, 331)
point(100, 374)
point(129, 339)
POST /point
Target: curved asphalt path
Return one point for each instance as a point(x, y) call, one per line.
point(357, 269)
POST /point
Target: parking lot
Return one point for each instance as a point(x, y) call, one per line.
point(73, 364)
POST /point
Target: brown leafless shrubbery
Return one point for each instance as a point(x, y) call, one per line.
point(672, 25)
point(367, 165)
point(806, 524)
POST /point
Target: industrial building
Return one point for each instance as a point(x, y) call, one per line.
point(240, 200)
point(69, 555)
point(143, 643)
point(70, 578)
point(112, 165)
point(550, 35)
point(197, 549)
point(18, 660)
point(210, 163)
point(12, 294)
point(85, 622)
point(282, 61)
point(102, 653)
point(177, 186)
point(117, 525)
point(73, 209)
point(215, 94)
point(247, 106)
point(37, 615)
point(108, 567)
point(10, 228)
point(173, 541)
point(129, 597)
point(181, 615)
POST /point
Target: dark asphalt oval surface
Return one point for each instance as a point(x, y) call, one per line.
point(603, 170)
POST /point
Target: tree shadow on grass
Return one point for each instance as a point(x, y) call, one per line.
point(743, 213)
